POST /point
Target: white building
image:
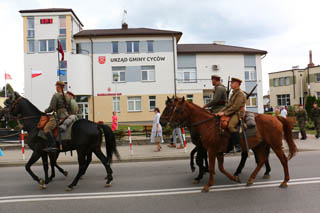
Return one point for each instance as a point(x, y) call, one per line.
point(128, 70)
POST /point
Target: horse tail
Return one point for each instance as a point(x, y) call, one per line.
point(111, 147)
point(287, 128)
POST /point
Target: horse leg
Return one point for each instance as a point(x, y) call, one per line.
point(88, 161)
point(45, 165)
point(199, 161)
point(106, 164)
point(205, 158)
point(261, 156)
point(52, 164)
point(267, 164)
point(212, 159)
point(244, 157)
point(81, 162)
point(220, 158)
point(34, 157)
point(284, 161)
point(192, 158)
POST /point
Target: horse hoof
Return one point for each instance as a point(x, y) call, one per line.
point(65, 173)
point(237, 179)
point(249, 183)
point(42, 184)
point(193, 169)
point(266, 177)
point(283, 185)
point(196, 181)
point(205, 189)
point(69, 189)
point(107, 185)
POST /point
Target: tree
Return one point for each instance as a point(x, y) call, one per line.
point(9, 90)
point(309, 104)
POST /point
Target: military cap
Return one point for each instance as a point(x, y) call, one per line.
point(236, 79)
point(60, 83)
point(215, 77)
point(300, 105)
point(70, 93)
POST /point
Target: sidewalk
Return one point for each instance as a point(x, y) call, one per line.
point(13, 156)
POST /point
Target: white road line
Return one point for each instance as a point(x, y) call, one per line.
point(159, 192)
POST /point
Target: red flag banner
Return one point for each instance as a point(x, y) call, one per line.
point(7, 76)
point(35, 73)
point(60, 50)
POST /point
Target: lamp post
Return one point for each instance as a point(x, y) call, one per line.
point(115, 80)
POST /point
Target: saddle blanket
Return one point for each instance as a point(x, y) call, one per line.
point(65, 128)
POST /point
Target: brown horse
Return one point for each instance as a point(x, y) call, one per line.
point(270, 130)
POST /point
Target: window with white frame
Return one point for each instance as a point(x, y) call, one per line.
point(62, 29)
point(207, 98)
point(190, 98)
point(30, 27)
point(30, 46)
point(132, 46)
point(147, 73)
point(134, 104)
point(187, 75)
point(115, 47)
point(150, 46)
point(252, 101)
point(47, 45)
point(116, 104)
point(281, 81)
point(276, 82)
point(283, 100)
point(317, 77)
point(118, 74)
point(152, 102)
point(63, 43)
point(287, 81)
point(250, 74)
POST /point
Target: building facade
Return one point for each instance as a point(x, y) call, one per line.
point(127, 70)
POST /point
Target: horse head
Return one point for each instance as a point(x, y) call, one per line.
point(167, 112)
point(11, 104)
point(179, 114)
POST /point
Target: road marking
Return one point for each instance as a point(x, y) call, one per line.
point(157, 192)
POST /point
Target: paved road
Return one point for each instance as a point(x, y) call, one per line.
point(165, 186)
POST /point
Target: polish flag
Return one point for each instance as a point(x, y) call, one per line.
point(7, 76)
point(35, 73)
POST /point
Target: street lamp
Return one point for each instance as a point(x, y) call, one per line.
point(115, 80)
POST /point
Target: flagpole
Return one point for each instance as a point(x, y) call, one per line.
point(58, 62)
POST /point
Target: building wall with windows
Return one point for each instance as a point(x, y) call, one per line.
point(314, 79)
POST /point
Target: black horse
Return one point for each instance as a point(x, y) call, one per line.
point(86, 138)
point(201, 158)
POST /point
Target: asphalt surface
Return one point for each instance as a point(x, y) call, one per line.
point(165, 186)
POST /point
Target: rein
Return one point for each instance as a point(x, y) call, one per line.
point(200, 122)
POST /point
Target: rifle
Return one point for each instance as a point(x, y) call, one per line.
point(228, 88)
point(66, 105)
point(251, 92)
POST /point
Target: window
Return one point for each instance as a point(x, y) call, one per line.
point(252, 101)
point(150, 46)
point(287, 81)
point(62, 73)
point(118, 74)
point(207, 98)
point(134, 104)
point(62, 29)
point(283, 100)
point(132, 46)
point(276, 82)
point(190, 98)
point(46, 45)
point(30, 27)
point(147, 73)
point(115, 47)
point(152, 102)
point(116, 104)
point(281, 81)
point(318, 95)
point(187, 75)
point(250, 74)
point(31, 46)
point(317, 77)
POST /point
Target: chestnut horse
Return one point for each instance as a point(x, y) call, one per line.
point(270, 130)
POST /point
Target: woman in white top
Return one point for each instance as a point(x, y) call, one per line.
point(156, 129)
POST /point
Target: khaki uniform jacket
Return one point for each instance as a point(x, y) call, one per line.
point(74, 107)
point(219, 98)
point(315, 114)
point(57, 105)
point(301, 115)
point(236, 103)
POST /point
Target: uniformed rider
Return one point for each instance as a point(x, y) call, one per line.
point(219, 99)
point(59, 104)
point(235, 109)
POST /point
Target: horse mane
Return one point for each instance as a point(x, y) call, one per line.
point(33, 107)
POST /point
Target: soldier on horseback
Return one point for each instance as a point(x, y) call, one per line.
point(219, 95)
point(235, 109)
point(60, 105)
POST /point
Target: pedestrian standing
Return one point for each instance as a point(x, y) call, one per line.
point(114, 124)
point(315, 114)
point(156, 133)
point(284, 112)
point(177, 132)
point(301, 117)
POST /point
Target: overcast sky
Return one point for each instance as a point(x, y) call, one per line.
point(287, 29)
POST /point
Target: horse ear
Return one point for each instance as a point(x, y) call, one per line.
point(168, 99)
point(182, 99)
point(17, 95)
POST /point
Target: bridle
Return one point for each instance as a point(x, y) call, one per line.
point(13, 106)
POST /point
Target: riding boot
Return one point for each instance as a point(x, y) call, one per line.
point(230, 144)
point(304, 135)
point(236, 139)
point(52, 143)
